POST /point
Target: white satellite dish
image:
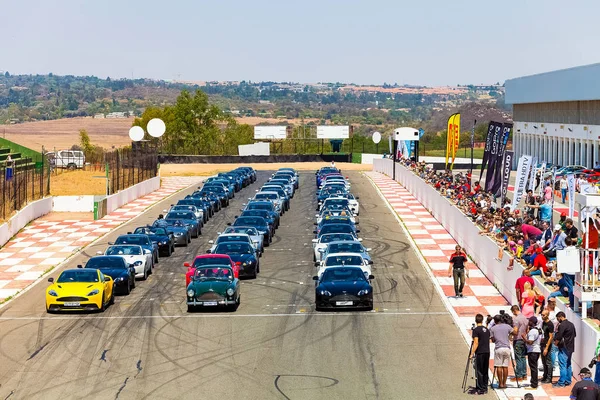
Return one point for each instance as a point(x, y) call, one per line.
point(156, 127)
point(376, 137)
point(136, 133)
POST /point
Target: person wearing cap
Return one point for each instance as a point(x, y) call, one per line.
point(585, 389)
point(533, 339)
point(538, 266)
point(565, 341)
point(557, 242)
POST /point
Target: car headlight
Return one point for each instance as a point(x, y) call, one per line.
point(190, 293)
point(325, 293)
point(363, 292)
point(119, 279)
point(52, 292)
point(244, 263)
point(178, 234)
point(230, 292)
point(93, 292)
point(161, 243)
point(137, 263)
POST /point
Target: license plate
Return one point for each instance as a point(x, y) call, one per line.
point(210, 303)
point(343, 303)
point(72, 304)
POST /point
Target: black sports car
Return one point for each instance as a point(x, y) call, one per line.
point(261, 225)
point(181, 231)
point(243, 255)
point(343, 287)
point(164, 240)
point(122, 274)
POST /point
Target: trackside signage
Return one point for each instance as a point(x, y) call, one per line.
point(522, 175)
point(506, 166)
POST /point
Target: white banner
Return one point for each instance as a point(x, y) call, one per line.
point(571, 185)
point(333, 132)
point(534, 170)
point(522, 175)
point(542, 172)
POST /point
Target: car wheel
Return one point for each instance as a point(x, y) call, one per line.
point(145, 275)
point(257, 267)
point(172, 249)
point(49, 311)
point(112, 297)
point(128, 288)
point(133, 283)
point(314, 257)
point(156, 259)
point(190, 308)
point(255, 274)
point(102, 307)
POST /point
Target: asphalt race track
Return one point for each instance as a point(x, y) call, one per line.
point(146, 345)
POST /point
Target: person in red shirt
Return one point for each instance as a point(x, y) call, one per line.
point(530, 232)
point(520, 284)
point(539, 264)
point(477, 187)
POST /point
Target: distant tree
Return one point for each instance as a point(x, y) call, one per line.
point(6, 74)
point(84, 141)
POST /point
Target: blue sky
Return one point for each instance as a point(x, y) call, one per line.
point(427, 42)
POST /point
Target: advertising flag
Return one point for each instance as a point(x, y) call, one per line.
point(522, 174)
point(506, 128)
point(493, 157)
point(456, 137)
point(571, 186)
point(507, 161)
point(534, 170)
point(488, 146)
point(449, 138)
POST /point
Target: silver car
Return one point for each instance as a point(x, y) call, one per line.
point(346, 246)
point(251, 231)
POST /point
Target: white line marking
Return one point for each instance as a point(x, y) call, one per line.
point(312, 314)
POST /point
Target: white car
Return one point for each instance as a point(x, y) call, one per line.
point(344, 260)
point(133, 254)
point(250, 231)
point(234, 237)
point(320, 244)
point(271, 196)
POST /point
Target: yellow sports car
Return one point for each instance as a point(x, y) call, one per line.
point(80, 289)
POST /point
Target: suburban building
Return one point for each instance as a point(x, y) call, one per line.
point(557, 115)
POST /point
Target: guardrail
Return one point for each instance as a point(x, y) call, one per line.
point(484, 252)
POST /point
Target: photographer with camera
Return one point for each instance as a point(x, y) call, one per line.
point(585, 389)
point(533, 340)
point(500, 334)
point(480, 350)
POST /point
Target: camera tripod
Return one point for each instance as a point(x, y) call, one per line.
point(465, 384)
point(512, 361)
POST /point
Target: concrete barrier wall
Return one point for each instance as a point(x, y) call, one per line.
point(73, 203)
point(123, 197)
point(273, 158)
point(484, 252)
point(23, 217)
point(368, 158)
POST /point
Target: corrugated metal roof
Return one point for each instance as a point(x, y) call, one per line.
point(572, 84)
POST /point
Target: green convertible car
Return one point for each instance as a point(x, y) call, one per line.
point(213, 286)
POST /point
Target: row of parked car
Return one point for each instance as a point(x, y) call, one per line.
point(344, 266)
point(213, 279)
point(133, 256)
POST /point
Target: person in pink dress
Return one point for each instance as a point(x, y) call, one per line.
point(528, 301)
point(548, 193)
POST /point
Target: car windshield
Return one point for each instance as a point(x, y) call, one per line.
point(252, 221)
point(336, 203)
point(260, 206)
point(234, 238)
point(336, 220)
point(255, 213)
point(106, 263)
point(242, 229)
point(234, 248)
point(213, 273)
point(336, 237)
point(211, 261)
point(343, 260)
point(268, 196)
point(182, 207)
point(150, 231)
point(345, 248)
point(124, 251)
point(140, 240)
point(78, 275)
point(342, 274)
point(337, 228)
point(180, 215)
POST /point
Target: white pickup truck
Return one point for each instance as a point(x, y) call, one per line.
point(70, 159)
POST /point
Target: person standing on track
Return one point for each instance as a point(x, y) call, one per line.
point(456, 270)
point(481, 352)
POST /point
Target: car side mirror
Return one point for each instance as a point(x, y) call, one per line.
point(107, 278)
point(111, 243)
point(314, 223)
point(211, 242)
point(316, 215)
point(99, 253)
point(131, 266)
point(315, 278)
point(79, 266)
point(51, 280)
point(368, 249)
point(358, 231)
point(371, 277)
point(315, 241)
point(356, 198)
point(208, 251)
point(229, 224)
point(165, 211)
point(187, 265)
point(321, 250)
point(356, 223)
point(360, 239)
point(315, 232)
point(146, 251)
point(370, 262)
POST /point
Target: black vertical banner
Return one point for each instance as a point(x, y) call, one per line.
point(507, 161)
point(493, 156)
point(488, 147)
point(506, 128)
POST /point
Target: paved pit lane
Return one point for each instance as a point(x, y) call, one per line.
point(275, 346)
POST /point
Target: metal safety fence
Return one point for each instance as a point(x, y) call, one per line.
point(20, 186)
point(130, 166)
